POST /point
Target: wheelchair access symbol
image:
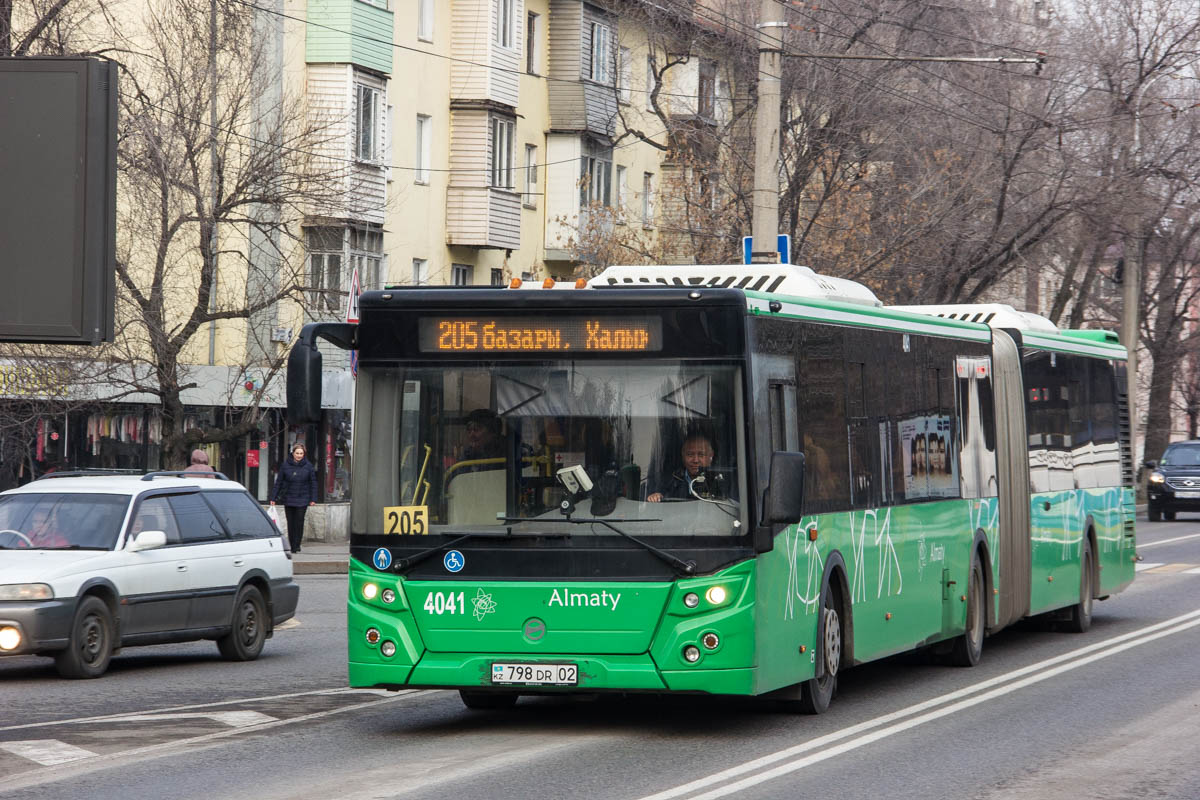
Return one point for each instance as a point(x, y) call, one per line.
point(382, 558)
point(454, 561)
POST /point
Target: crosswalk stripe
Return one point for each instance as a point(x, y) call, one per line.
point(46, 752)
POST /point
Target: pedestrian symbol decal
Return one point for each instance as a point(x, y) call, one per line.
point(454, 561)
point(382, 558)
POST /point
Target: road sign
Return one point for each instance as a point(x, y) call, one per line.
point(352, 301)
point(783, 243)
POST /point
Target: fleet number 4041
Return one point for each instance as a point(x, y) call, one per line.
point(445, 603)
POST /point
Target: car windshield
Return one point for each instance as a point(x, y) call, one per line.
point(61, 521)
point(498, 449)
point(1181, 455)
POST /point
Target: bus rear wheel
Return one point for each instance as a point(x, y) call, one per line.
point(487, 701)
point(967, 649)
point(817, 693)
point(1081, 613)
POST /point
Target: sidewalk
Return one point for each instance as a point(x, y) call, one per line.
point(319, 558)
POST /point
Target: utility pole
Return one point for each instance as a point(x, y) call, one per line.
point(765, 196)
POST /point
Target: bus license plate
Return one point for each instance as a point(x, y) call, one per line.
point(1187, 495)
point(535, 674)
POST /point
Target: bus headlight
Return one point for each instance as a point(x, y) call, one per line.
point(388, 649)
point(691, 599)
point(1156, 477)
point(10, 638)
point(388, 596)
point(691, 654)
point(370, 590)
point(716, 595)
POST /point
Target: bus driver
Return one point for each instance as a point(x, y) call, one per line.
point(697, 455)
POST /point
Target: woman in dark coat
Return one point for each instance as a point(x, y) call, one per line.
point(297, 483)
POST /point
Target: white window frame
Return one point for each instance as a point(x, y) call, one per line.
point(596, 181)
point(533, 54)
point(647, 199)
point(462, 274)
point(624, 74)
point(425, 15)
point(424, 137)
point(602, 54)
point(497, 276)
point(420, 272)
point(619, 193)
point(366, 256)
point(651, 77)
point(326, 270)
point(706, 90)
point(502, 133)
point(506, 26)
point(529, 198)
point(367, 123)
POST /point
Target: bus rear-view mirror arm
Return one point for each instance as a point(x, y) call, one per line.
point(304, 368)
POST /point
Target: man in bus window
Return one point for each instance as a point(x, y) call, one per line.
point(483, 438)
point(696, 456)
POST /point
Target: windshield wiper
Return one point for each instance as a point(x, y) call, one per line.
point(412, 561)
point(684, 567)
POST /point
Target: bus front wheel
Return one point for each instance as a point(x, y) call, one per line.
point(968, 648)
point(817, 693)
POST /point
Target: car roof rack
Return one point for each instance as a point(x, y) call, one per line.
point(89, 473)
point(183, 473)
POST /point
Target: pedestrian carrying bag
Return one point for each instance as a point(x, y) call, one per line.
point(274, 515)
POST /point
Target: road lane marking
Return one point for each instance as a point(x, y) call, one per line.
point(906, 718)
point(47, 752)
point(236, 701)
point(1144, 545)
point(1193, 571)
point(1166, 569)
point(81, 765)
point(1145, 565)
point(234, 719)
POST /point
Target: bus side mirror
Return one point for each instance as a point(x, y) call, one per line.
point(784, 501)
point(304, 383)
point(1150, 464)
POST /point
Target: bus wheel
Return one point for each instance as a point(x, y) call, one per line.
point(486, 701)
point(817, 693)
point(1081, 613)
point(968, 648)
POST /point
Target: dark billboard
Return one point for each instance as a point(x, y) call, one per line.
point(58, 139)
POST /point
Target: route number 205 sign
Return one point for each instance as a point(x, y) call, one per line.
point(406, 520)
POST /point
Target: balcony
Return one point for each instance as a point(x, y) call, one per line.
point(349, 32)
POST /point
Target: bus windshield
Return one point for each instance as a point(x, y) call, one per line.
point(497, 449)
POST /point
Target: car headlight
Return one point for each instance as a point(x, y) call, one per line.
point(1156, 477)
point(26, 591)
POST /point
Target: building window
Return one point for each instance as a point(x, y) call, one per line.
point(366, 256)
point(366, 119)
point(595, 185)
point(505, 22)
point(497, 276)
point(531, 169)
point(420, 273)
point(502, 152)
point(602, 54)
point(624, 74)
point(324, 247)
point(647, 198)
point(531, 43)
point(424, 143)
point(620, 193)
point(425, 20)
point(462, 274)
point(706, 101)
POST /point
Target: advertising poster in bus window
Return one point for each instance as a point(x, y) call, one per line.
point(927, 447)
point(912, 450)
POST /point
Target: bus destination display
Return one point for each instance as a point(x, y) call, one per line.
point(540, 334)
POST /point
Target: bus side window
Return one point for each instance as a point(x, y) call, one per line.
point(823, 419)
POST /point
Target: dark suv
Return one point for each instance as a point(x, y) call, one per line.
point(1174, 483)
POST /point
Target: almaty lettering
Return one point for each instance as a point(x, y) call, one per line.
point(568, 599)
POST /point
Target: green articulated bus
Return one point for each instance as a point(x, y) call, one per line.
point(732, 480)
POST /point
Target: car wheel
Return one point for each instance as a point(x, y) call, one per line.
point(245, 639)
point(91, 642)
point(1154, 514)
point(1169, 516)
point(1081, 613)
point(968, 648)
point(487, 701)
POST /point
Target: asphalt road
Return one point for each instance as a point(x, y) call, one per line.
point(1112, 713)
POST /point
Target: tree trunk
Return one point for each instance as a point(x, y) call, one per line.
point(1158, 407)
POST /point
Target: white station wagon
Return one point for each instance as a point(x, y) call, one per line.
point(93, 563)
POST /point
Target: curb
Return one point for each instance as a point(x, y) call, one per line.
point(324, 567)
